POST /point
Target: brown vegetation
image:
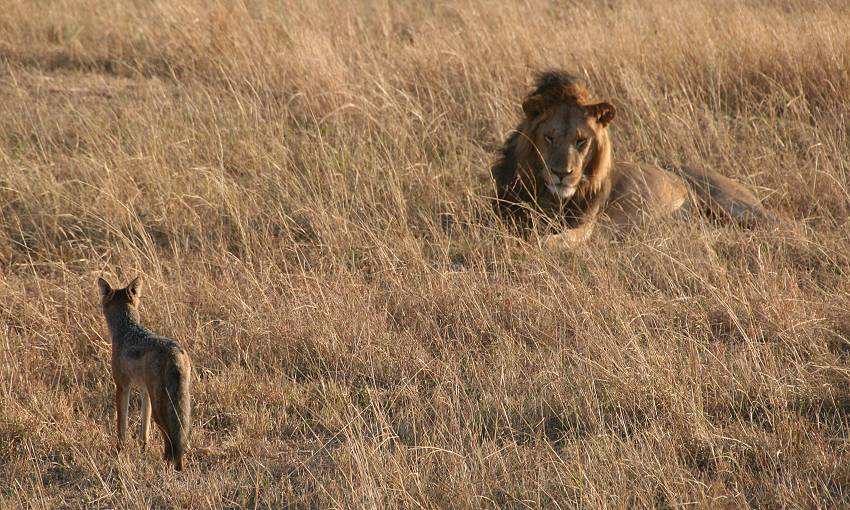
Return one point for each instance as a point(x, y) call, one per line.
point(280, 175)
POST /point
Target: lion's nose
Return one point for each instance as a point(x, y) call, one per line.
point(564, 173)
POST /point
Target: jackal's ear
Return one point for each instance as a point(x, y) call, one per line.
point(135, 287)
point(104, 287)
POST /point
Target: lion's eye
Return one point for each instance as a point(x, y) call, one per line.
point(549, 139)
point(580, 143)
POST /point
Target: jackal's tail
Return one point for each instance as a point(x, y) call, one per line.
point(178, 413)
point(723, 198)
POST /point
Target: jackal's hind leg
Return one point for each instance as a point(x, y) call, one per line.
point(146, 419)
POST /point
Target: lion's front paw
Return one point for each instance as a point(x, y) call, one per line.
point(548, 242)
point(567, 239)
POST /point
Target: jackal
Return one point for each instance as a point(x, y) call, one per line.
point(157, 365)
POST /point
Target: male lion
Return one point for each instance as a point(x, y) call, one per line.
point(558, 162)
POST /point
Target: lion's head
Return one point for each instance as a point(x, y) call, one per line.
point(561, 147)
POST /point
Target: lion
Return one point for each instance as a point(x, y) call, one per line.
point(558, 161)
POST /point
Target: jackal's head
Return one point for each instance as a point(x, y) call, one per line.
point(128, 296)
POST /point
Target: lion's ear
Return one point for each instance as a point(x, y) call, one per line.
point(604, 113)
point(533, 105)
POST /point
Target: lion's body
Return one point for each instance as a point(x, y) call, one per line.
point(643, 191)
point(559, 162)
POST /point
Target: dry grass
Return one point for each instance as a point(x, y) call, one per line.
point(279, 174)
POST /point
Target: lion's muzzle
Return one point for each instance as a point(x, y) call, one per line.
point(562, 191)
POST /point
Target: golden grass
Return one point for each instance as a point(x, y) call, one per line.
point(279, 174)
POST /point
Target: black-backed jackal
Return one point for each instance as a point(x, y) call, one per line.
point(156, 365)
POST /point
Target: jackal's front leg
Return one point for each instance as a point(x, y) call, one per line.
point(146, 418)
point(122, 407)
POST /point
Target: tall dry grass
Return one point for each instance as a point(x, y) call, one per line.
point(278, 172)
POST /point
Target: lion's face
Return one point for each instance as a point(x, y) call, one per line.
point(564, 136)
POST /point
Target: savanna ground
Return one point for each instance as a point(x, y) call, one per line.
point(281, 175)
